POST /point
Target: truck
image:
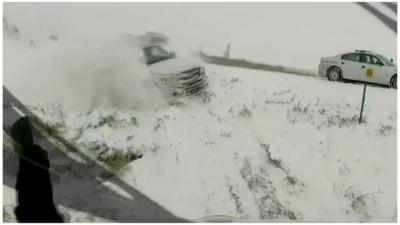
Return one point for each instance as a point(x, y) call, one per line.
point(174, 75)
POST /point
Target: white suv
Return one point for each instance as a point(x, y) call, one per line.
point(359, 65)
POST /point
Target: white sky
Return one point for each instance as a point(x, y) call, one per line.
point(291, 34)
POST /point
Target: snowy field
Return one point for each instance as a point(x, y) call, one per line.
point(258, 146)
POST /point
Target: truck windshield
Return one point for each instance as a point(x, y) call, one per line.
point(385, 60)
point(155, 54)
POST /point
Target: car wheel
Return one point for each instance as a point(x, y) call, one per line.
point(334, 74)
point(393, 82)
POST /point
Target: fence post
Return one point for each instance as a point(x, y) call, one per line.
point(362, 103)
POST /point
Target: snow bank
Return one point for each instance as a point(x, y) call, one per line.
point(80, 73)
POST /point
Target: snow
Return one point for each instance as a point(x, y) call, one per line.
point(173, 66)
point(258, 146)
point(9, 199)
point(77, 72)
point(205, 151)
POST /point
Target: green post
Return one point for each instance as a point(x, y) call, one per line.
point(362, 103)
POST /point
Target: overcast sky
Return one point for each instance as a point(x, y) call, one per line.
point(272, 31)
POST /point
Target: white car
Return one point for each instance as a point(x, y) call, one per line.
point(360, 65)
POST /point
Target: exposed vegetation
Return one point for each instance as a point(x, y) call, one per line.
point(264, 193)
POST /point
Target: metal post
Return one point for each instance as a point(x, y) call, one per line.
point(362, 103)
point(228, 51)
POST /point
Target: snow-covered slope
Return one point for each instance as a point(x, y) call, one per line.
point(259, 146)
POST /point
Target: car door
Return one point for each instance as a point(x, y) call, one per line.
point(350, 64)
point(372, 69)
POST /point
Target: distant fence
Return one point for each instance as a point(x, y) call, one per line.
point(253, 65)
